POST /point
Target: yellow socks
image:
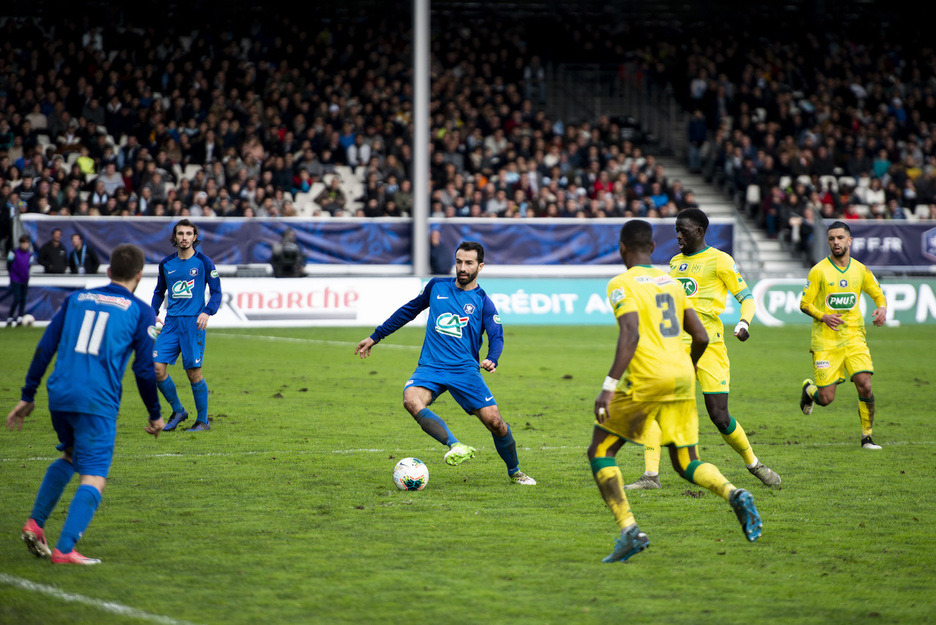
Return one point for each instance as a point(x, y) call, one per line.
point(611, 485)
point(652, 437)
point(736, 438)
point(866, 412)
point(708, 476)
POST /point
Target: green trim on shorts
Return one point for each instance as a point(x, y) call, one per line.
point(690, 470)
point(602, 462)
point(716, 393)
point(732, 426)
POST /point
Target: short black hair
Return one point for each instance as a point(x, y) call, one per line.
point(24, 238)
point(126, 261)
point(696, 216)
point(184, 222)
point(637, 235)
point(472, 245)
point(839, 224)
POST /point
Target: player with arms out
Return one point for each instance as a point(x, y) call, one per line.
point(652, 381)
point(185, 275)
point(93, 333)
point(708, 275)
point(838, 343)
point(459, 311)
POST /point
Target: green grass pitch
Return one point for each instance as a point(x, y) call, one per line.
point(286, 513)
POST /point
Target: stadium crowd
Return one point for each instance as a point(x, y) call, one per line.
point(277, 117)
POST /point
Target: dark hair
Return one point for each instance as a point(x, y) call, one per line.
point(183, 222)
point(78, 234)
point(839, 224)
point(24, 238)
point(472, 245)
point(696, 216)
point(126, 261)
point(637, 235)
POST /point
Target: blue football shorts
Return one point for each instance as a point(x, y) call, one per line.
point(467, 387)
point(180, 335)
point(90, 439)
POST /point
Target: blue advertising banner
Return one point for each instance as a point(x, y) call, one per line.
point(236, 241)
point(894, 244)
point(566, 241)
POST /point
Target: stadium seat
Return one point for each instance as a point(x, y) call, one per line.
point(921, 211)
point(847, 180)
point(785, 182)
point(191, 170)
point(864, 210)
point(753, 195)
point(829, 182)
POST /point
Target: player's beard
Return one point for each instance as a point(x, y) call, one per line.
point(841, 253)
point(467, 278)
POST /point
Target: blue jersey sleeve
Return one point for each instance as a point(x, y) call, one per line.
point(405, 313)
point(494, 330)
point(143, 367)
point(214, 285)
point(159, 293)
point(44, 353)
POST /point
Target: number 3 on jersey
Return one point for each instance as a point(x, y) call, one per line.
point(669, 327)
point(91, 333)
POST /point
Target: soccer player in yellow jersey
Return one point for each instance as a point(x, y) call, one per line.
point(838, 343)
point(708, 275)
point(652, 381)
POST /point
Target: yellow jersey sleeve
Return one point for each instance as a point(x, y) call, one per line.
point(871, 286)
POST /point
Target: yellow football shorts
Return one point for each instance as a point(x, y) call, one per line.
point(628, 418)
point(834, 366)
point(713, 370)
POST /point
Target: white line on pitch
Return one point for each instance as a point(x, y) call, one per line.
point(287, 339)
point(106, 606)
point(412, 450)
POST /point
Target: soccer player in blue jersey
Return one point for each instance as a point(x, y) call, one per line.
point(185, 275)
point(459, 311)
point(94, 333)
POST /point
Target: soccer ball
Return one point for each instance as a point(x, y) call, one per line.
point(410, 474)
point(28, 320)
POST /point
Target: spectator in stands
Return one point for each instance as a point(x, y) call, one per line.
point(287, 257)
point(18, 263)
point(52, 255)
point(82, 258)
point(332, 198)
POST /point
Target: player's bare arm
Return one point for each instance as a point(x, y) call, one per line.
point(14, 420)
point(628, 337)
point(879, 316)
point(693, 325)
point(363, 348)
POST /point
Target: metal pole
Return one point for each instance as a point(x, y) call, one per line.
point(421, 138)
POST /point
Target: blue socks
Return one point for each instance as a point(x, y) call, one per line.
point(168, 389)
point(53, 485)
point(435, 427)
point(507, 449)
point(200, 391)
point(83, 506)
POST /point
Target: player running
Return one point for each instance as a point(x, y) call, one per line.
point(652, 381)
point(459, 311)
point(838, 343)
point(185, 275)
point(708, 275)
point(93, 333)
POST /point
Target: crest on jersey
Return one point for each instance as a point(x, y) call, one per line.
point(183, 289)
point(450, 324)
point(696, 267)
point(617, 295)
point(469, 308)
point(690, 285)
point(683, 267)
point(214, 273)
point(496, 319)
point(841, 301)
point(843, 283)
point(193, 271)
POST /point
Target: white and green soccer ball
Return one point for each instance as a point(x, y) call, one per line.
point(410, 474)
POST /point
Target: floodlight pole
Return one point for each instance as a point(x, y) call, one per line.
point(421, 137)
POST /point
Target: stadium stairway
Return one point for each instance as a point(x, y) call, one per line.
point(758, 256)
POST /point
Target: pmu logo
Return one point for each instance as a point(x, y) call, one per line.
point(841, 301)
point(690, 285)
point(450, 324)
point(183, 289)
